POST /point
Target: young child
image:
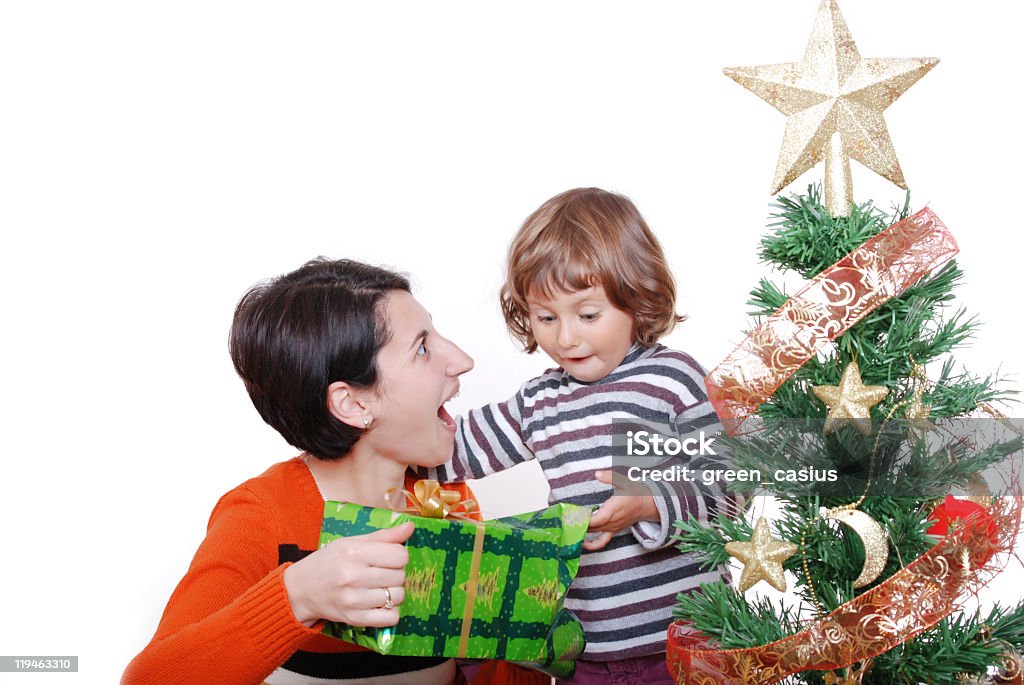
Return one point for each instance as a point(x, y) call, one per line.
point(588, 283)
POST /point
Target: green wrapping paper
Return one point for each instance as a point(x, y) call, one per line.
point(522, 566)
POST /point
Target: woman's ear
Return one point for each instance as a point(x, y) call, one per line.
point(344, 403)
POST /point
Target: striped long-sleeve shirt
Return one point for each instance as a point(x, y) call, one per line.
point(623, 593)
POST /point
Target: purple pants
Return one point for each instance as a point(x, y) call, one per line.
point(643, 670)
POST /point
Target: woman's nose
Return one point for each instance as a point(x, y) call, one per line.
point(458, 361)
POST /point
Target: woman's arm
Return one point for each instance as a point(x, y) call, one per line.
point(238, 614)
point(229, 619)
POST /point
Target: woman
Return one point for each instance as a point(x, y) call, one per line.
point(344, 363)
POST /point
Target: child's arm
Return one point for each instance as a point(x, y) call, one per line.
point(487, 440)
point(681, 500)
point(672, 501)
point(651, 508)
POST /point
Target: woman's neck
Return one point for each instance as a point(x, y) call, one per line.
point(358, 477)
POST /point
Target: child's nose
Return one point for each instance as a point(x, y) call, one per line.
point(566, 335)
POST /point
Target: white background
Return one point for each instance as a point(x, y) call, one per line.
point(156, 159)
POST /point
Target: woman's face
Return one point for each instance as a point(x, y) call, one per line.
point(419, 372)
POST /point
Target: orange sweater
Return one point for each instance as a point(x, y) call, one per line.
point(229, 619)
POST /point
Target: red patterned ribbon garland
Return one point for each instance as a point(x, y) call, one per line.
point(912, 601)
point(824, 309)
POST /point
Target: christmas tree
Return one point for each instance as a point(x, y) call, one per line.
point(852, 385)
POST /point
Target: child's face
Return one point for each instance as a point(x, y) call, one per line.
point(582, 331)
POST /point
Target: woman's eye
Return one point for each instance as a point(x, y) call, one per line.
point(421, 350)
point(590, 317)
point(545, 318)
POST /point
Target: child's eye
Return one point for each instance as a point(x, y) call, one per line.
point(421, 351)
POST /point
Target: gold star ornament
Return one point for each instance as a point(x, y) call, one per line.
point(762, 558)
point(850, 401)
point(918, 413)
point(834, 101)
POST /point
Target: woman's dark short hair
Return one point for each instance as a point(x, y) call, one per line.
point(294, 335)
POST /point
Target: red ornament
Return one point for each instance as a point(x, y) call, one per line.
point(965, 513)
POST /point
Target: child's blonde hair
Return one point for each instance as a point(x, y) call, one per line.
point(583, 238)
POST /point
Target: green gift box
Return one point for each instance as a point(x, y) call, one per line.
point(514, 572)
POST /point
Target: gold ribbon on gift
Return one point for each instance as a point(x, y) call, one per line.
point(825, 308)
point(910, 602)
point(471, 589)
point(430, 500)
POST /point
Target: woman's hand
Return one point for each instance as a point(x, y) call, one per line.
point(620, 510)
point(345, 581)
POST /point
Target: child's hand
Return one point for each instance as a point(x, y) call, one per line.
point(620, 510)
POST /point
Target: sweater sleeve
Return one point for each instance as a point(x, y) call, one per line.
point(679, 500)
point(487, 440)
point(229, 620)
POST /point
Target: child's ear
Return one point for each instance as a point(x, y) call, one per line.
point(344, 403)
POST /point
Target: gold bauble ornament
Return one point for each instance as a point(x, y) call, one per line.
point(834, 101)
point(762, 558)
point(850, 401)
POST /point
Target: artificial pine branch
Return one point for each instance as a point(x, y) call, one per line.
point(809, 239)
point(708, 541)
point(958, 394)
point(1008, 625)
point(957, 646)
point(730, 621)
point(766, 299)
point(934, 473)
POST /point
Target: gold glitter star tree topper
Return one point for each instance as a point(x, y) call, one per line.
point(833, 100)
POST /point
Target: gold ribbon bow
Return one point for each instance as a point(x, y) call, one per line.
point(430, 500)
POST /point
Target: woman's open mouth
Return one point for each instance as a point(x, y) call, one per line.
point(443, 416)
